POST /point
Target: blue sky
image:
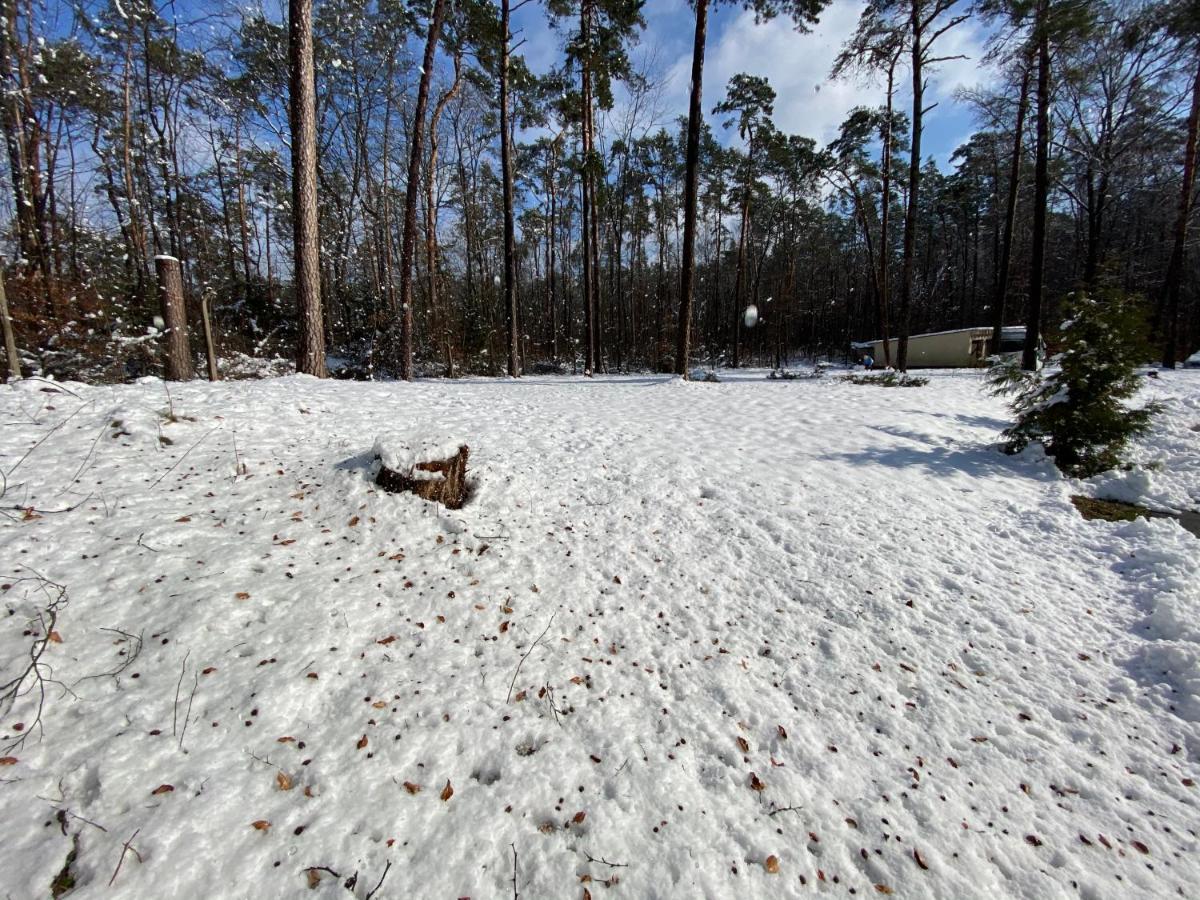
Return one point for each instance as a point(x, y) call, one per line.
point(797, 66)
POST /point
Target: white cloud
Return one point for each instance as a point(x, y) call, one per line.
point(798, 65)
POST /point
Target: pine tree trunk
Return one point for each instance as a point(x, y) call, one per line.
point(1041, 191)
point(177, 354)
point(1000, 300)
point(586, 211)
point(885, 217)
point(510, 273)
point(914, 185)
point(415, 152)
point(687, 272)
point(310, 357)
point(1171, 284)
point(550, 254)
point(432, 262)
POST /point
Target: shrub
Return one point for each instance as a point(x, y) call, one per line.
point(890, 378)
point(1078, 413)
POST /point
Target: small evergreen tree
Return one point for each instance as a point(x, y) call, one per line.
point(1079, 413)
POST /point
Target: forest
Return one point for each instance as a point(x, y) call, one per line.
point(463, 213)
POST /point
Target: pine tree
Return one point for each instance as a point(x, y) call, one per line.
point(1079, 413)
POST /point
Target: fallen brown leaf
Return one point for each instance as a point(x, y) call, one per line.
point(447, 791)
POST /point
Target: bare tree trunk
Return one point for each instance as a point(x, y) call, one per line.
point(739, 278)
point(1010, 215)
point(885, 254)
point(408, 245)
point(550, 247)
point(136, 229)
point(687, 271)
point(510, 273)
point(597, 321)
point(1175, 265)
point(914, 184)
point(10, 341)
point(432, 262)
point(1041, 190)
point(306, 236)
point(240, 178)
point(177, 355)
point(210, 350)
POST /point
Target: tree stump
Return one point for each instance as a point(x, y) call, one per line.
point(434, 471)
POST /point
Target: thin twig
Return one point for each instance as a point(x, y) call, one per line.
point(48, 433)
point(82, 819)
point(526, 656)
point(182, 458)
point(124, 850)
point(55, 384)
point(550, 700)
point(130, 656)
point(322, 869)
point(12, 689)
point(48, 512)
point(187, 716)
point(178, 685)
point(604, 861)
point(514, 850)
point(785, 809)
point(381, 877)
point(91, 450)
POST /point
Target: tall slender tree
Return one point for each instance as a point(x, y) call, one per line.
point(1041, 189)
point(803, 13)
point(1004, 267)
point(310, 357)
point(506, 166)
point(416, 151)
point(750, 100)
point(1186, 26)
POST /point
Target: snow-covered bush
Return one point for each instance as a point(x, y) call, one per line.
point(889, 378)
point(1078, 413)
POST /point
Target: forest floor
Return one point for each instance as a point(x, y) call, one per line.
point(745, 639)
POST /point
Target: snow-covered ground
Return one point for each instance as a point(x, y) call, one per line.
point(743, 639)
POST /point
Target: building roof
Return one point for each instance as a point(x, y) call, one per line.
point(977, 328)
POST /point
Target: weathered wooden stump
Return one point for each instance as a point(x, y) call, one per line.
point(432, 470)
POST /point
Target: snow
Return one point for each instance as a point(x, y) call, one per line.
point(400, 451)
point(945, 682)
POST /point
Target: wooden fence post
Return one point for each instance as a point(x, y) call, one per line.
point(10, 342)
point(210, 351)
point(177, 357)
